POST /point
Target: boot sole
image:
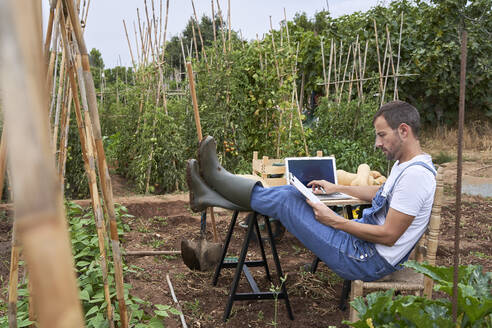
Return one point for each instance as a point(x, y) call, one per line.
point(192, 195)
point(200, 157)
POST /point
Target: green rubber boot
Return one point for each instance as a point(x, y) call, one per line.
point(234, 188)
point(201, 195)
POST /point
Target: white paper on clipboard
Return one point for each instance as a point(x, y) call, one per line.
point(302, 188)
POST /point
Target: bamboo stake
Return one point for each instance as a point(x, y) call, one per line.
point(142, 43)
point(340, 66)
point(221, 27)
point(182, 50)
point(335, 67)
point(84, 17)
point(324, 69)
point(259, 47)
point(136, 45)
point(129, 47)
point(274, 51)
point(164, 100)
point(3, 159)
point(151, 253)
point(50, 81)
point(329, 70)
point(229, 21)
point(385, 81)
point(370, 78)
point(39, 216)
point(59, 100)
point(390, 60)
point(363, 70)
point(359, 87)
point(200, 34)
point(390, 52)
point(160, 21)
point(13, 279)
point(344, 74)
point(213, 23)
point(379, 59)
point(299, 108)
point(102, 166)
point(286, 27)
point(395, 94)
point(194, 39)
point(384, 57)
point(354, 62)
point(49, 30)
point(91, 175)
point(54, 46)
point(62, 158)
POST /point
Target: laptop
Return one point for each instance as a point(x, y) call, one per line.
point(307, 169)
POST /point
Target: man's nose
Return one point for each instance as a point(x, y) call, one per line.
point(377, 143)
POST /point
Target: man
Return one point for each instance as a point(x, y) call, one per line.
point(365, 249)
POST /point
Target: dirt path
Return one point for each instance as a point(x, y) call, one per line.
point(160, 223)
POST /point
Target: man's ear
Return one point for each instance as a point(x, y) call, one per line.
point(404, 130)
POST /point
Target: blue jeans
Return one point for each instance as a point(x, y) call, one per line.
point(350, 257)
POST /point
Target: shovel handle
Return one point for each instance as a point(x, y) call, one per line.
point(203, 224)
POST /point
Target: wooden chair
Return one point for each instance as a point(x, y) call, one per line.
point(271, 170)
point(425, 250)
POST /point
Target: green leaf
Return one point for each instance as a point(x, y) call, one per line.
point(155, 323)
point(92, 310)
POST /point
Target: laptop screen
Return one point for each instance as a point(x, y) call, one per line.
point(307, 169)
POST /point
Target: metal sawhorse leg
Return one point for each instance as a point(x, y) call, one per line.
point(242, 265)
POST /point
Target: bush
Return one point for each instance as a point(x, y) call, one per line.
point(382, 309)
point(346, 131)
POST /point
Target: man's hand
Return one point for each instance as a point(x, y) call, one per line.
point(317, 185)
point(324, 214)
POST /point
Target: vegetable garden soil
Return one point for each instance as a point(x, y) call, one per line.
point(161, 222)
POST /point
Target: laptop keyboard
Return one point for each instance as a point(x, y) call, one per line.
point(335, 195)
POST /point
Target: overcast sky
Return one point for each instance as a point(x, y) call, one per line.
point(105, 30)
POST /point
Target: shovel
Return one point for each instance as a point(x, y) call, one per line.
point(201, 254)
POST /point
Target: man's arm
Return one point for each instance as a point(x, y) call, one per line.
point(362, 192)
point(387, 234)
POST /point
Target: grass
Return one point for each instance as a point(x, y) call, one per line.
point(477, 136)
point(443, 157)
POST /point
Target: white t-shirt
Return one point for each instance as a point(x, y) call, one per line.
point(412, 195)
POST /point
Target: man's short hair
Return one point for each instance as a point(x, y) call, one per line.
point(397, 112)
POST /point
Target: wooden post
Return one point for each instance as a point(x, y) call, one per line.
point(459, 172)
point(102, 165)
point(39, 215)
point(199, 133)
